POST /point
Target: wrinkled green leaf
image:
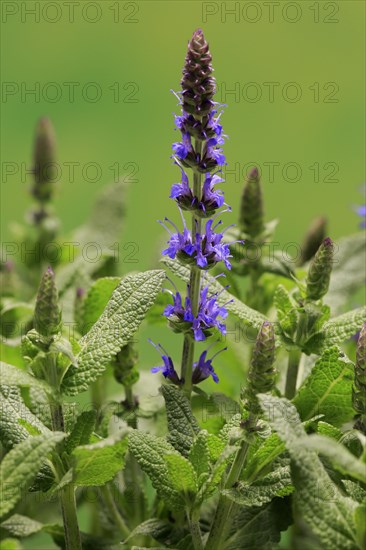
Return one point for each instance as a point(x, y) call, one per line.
point(328, 389)
point(82, 430)
point(181, 474)
point(275, 484)
point(337, 330)
point(286, 311)
point(98, 463)
point(182, 425)
point(17, 422)
point(96, 300)
point(317, 500)
point(259, 528)
point(150, 453)
point(340, 457)
point(271, 448)
point(21, 526)
point(15, 376)
point(20, 466)
point(114, 329)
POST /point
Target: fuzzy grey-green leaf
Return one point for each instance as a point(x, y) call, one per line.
point(20, 466)
point(317, 500)
point(328, 389)
point(182, 425)
point(115, 327)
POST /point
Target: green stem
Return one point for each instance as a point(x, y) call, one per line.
point(224, 508)
point(113, 510)
point(195, 532)
point(67, 494)
point(292, 373)
point(70, 520)
point(194, 289)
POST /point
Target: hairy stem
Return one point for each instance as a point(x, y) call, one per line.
point(113, 510)
point(194, 289)
point(225, 506)
point(195, 529)
point(292, 373)
point(67, 494)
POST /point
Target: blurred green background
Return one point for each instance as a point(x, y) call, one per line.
point(266, 55)
point(144, 43)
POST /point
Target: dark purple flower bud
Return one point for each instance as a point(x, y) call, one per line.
point(197, 83)
point(203, 368)
point(313, 239)
point(167, 369)
point(320, 269)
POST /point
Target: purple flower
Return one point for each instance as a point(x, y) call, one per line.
point(205, 205)
point(203, 368)
point(361, 211)
point(183, 148)
point(167, 369)
point(182, 319)
point(205, 251)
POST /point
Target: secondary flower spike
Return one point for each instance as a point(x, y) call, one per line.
point(44, 170)
point(262, 374)
point(320, 269)
point(47, 314)
point(251, 218)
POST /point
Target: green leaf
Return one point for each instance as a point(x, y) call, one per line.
point(21, 526)
point(96, 300)
point(199, 455)
point(249, 316)
point(286, 311)
point(360, 521)
point(98, 463)
point(182, 475)
point(15, 376)
point(82, 430)
point(275, 484)
point(259, 528)
point(20, 466)
point(10, 544)
point(182, 425)
point(328, 389)
point(337, 330)
point(317, 501)
point(150, 453)
point(114, 329)
point(348, 273)
point(323, 428)
point(340, 457)
point(17, 422)
point(261, 460)
point(158, 529)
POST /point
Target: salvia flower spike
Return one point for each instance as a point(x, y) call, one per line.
point(359, 387)
point(320, 269)
point(45, 169)
point(251, 218)
point(197, 314)
point(262, 374)
point(47, 314)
